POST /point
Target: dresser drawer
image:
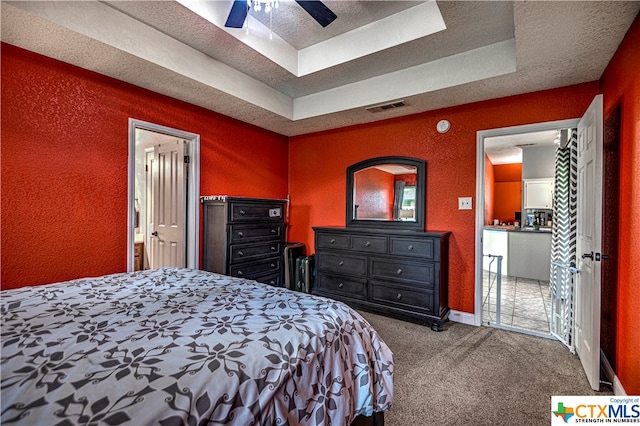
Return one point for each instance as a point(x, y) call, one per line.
point(242, 211)
point(342, 286)
point(423, 248)
point(256, 269)
point(422, 273)
point(332, 241)
point(339, 264)
point(248, 252)
point(401, 296)
point(257, 232)
point(369, 244)
point(271, 279)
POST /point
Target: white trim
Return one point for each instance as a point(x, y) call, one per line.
point(193, 197)
point(480, 137)
point(462, 317)
point(606, 367)
point(618, 389)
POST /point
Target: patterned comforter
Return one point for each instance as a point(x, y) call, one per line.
point(178, 346)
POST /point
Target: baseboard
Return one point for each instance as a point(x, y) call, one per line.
point(618, 389)
point(462, 317)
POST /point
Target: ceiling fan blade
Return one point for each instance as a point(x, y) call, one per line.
point(318, 11)
point(238, 14)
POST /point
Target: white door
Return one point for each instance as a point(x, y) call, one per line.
point(589, 224)
point(167, 228)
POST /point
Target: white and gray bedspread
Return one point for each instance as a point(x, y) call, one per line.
point(178, 346)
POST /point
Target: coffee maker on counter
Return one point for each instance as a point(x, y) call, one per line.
point(539, 218)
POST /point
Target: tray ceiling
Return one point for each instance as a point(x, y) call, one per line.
point(287, 74)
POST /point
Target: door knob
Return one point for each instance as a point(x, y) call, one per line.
point(588, 256)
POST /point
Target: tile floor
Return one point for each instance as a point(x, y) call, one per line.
point(525, 303)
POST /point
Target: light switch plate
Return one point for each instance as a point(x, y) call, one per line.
point(464, 203)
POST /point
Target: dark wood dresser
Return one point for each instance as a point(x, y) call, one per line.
point(244, 237)
point(403, 274)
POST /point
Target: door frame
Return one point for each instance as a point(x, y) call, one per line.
point(192, 244)
point(480, 137)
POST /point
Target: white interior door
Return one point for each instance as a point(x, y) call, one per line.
point(167, 228)
point(589, 239)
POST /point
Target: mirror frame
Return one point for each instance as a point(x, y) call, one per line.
point(421, 187)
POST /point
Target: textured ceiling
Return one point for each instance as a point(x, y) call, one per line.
point(384, 53)
point(508, 149)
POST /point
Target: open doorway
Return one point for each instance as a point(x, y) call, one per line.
point(514, 217)
point(585, 279)
point(164, 176)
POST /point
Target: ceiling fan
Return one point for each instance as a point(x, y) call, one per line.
point(316, 9)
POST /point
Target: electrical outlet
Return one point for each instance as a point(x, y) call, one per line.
point(464, 203)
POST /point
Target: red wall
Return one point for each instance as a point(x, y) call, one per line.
point(489, 190)
point(620, 86)
point(375, 194)
point(507, 191)
point(318, 162)
point(64, 165)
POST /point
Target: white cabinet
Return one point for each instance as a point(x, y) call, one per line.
point(538, 193)
point(495, 243)
point(530, 255)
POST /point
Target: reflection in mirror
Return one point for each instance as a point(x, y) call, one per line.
point(385, 192)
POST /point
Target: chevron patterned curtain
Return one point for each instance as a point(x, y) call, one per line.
point(563, 239)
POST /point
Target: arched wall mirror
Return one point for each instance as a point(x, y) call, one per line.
point(387, 193)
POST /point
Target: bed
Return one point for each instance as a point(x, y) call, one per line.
point(177, 346)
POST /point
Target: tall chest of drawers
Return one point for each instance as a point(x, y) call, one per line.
point(244, 237)
point(399, 274)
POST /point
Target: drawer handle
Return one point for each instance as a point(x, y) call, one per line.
point(240, 253)
point(333, 241)
point(274, 231)
point(273, 266)
point(399, 296)
point(241, 234)
point(399, 271)
point(273, 249)
point(341, 263)
point(242, 212)
point(367, 244)
point(340, 285)
point(410, 247)
point(272, 282)
point(240, 273)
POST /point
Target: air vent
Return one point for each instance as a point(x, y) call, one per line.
point(523, 145)
point(387, 106)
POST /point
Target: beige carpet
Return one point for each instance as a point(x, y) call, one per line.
point(469, 375)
